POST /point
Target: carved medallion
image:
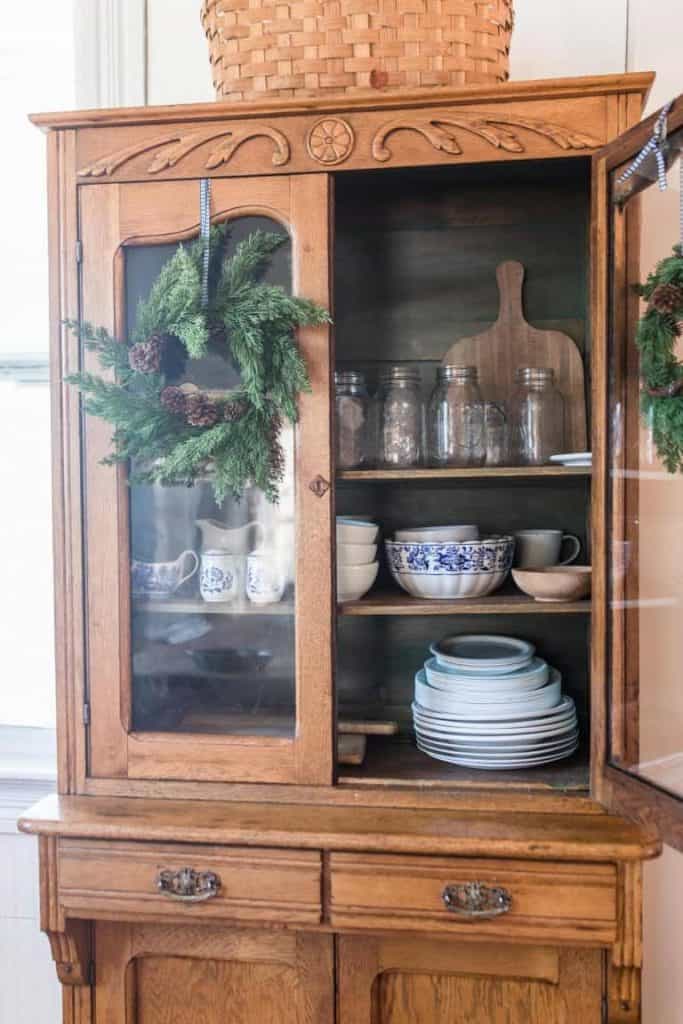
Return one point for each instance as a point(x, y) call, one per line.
point(171, 149)
point(330, 140)
point(440, 132)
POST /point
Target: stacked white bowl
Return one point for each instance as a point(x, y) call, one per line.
point(449, 562)
point(357, 563)
point(485, 701)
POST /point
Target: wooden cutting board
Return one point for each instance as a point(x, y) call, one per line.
point(512, 342)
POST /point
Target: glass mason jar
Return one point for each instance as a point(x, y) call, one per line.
point(537, 416)
point(456, 418)
point(497, 431)
point(353, 412)
point(401, 416)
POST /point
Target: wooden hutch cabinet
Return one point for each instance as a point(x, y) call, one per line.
point(208, 856)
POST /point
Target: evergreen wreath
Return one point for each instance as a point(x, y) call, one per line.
point(661, 373)
point(174, 435)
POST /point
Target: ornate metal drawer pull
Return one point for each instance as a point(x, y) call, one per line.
point(188, 885)
point(475, 901)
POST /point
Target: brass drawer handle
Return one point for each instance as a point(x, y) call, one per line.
point(476, 902)
point(188, 885)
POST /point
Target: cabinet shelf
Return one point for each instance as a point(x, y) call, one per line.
point(392, 761)
point(503, 604)
point(195, 606)
point(477, 473)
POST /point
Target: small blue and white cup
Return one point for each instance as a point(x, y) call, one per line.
point(265, 579)
point(219, 576)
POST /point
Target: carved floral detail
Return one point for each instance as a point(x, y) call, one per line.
point(440, 132)
point(171, 149)
point(330, 140)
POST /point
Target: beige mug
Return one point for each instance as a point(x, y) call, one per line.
point(537, 549)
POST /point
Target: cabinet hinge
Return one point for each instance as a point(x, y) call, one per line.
point(86, 713)
point(79, 251)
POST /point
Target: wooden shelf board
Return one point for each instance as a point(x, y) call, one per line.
point(478, 473)
point(195, 606)
point(502, 604)
point(398, 762)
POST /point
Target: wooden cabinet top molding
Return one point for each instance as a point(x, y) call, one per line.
point(551, 89)
point(515, 121)
point(391, 830)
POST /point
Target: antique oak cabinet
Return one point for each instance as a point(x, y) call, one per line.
point(211, 856)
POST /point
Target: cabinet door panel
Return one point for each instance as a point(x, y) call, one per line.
point(180, 688)
point(424, 981)
point(636, 575)
point(190, 975)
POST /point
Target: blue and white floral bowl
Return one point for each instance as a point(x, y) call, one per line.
point(457, 569)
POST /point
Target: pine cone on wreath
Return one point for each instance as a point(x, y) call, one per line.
point(145, 357)
point(667, 298)
point(235, 410)
point(174, 400)
point(200, 411)
point(277, 456)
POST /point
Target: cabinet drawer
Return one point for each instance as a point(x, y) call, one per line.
point(547, 901)
point(106, 879)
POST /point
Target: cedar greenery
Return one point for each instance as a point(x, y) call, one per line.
point(661, 372)
point(173, 435)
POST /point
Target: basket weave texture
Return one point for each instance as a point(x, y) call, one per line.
point(319, 48)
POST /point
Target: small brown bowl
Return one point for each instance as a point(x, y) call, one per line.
point(555, 583)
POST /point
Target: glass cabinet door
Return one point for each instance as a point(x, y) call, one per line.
point(643, 502)
point(208, 621)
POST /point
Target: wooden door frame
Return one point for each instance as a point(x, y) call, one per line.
point(620, 791)
point(115, 215)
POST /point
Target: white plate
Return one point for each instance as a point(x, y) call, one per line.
point(568, 457)
point(487, 653)
point(494, 706)
point(485, 764)
point(491, 692)
point(479, 735)
point(565, 707)
point(530, 677)
point(443, 733)
point(489, 708)
point(505, 753)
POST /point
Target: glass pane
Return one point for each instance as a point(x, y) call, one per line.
point(646, 539)
point(220, 660)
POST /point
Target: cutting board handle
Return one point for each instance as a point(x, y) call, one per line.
point(510, 282)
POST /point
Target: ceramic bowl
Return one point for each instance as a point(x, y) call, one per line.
point(356, 554)
point(353, 581)
point(453, 570)
point(438, 534)
point(356, 531)
point(555, 583)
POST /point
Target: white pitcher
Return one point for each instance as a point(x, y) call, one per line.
point(233, 540)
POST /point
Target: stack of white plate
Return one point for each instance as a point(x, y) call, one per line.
point(488, 702)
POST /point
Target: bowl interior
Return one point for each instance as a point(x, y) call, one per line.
point(549, 572)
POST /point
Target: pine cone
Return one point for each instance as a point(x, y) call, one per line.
point(174, 400)
point(145, 357)
point(200, 411)
point(235, 410)
point(667, 298)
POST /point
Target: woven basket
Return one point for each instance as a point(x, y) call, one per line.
point(321, 48)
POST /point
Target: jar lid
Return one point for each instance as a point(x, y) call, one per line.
point(400, 373)
point(527, 374)
point(349, 377)
point(462, 374)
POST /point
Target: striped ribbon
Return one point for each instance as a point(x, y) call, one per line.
point(204, 234)
point(653, 146)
